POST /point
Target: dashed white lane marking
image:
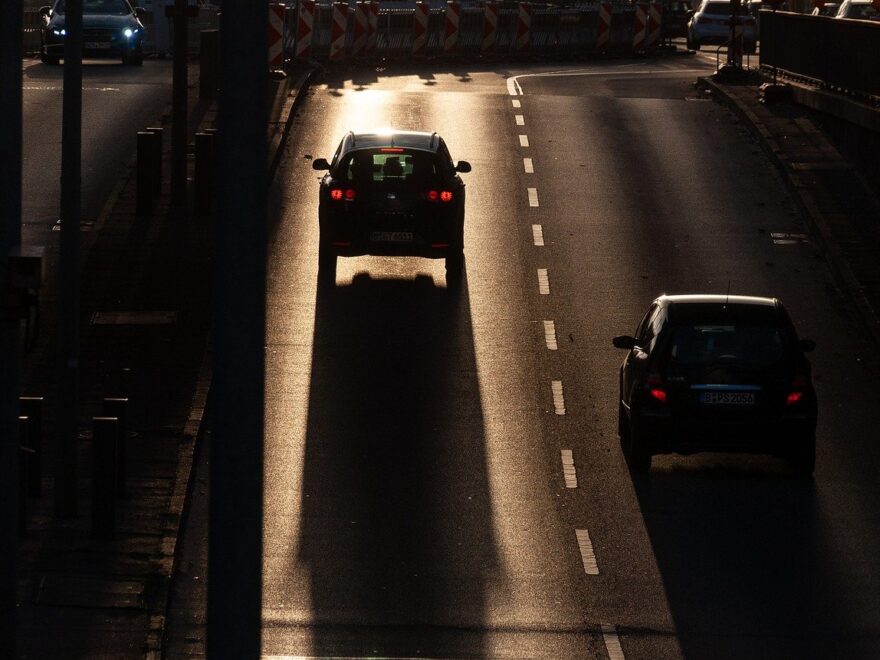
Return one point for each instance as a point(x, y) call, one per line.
point(571, 480)
point(543, 281)
point(528, 166)
point(533, 196)
point(587, 554)
point(558, 397)
point(538, 235)
point(550, 335)
point(523, 140)
point(516, 103)
point(520, 120)
point(612, 642)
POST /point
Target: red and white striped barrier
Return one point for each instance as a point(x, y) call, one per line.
point(453, 18)
point(603, 28)
point(361, 29)
point(420, 29)
point(655, 17)
point(337, 31)
point(640, 27)
point(490, 27)
point(524, 27)
point(372, 26)
point(304, 23)
point(276, 36)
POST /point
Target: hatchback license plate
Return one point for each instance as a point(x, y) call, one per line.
point(727, 398)
point(391, 236)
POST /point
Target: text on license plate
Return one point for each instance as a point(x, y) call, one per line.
point(727, 398)
point(97, 44)
point(391, 236)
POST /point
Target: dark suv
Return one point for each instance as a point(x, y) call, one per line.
point(717, 373)
point(395, 193)
point(111, 28)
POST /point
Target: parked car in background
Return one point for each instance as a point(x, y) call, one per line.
point(111, 28)
point(716, 373)
point(675, 18)
point(860, 10)
point(710, 24)
point(827, 9)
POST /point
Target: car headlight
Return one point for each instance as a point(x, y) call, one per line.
point(130, 32)
point(59, 33)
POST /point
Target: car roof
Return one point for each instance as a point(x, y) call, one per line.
point(406, 139)
point(718, 308)
point(720, 298)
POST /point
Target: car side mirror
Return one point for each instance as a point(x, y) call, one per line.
point(624, 341)
point(320, 164)
point(140, 12)
point(807, 345)
point(463, 166)
point(45, 11)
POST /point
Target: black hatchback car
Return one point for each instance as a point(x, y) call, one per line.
point(394, 193)
point(111, 28)
point(720, 374)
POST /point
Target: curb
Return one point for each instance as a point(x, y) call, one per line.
point(799, 192)
point(165, 562)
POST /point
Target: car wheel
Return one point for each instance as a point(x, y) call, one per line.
point(326, 266)
point(45, 58)
point(803, 456)
point(454, 269)
point(638, 456)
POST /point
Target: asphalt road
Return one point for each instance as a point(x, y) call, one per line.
point(420, 498)
point(118, 101)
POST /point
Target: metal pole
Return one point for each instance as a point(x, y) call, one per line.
point(67, 338)
point(11, 26)
point(178, 105)
point(236, 504)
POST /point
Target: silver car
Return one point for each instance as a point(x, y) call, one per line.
point(710, 24)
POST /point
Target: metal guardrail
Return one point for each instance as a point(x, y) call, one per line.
point(832, 53)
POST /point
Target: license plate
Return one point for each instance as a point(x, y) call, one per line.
point(95, 45)
point(727, 398)
point(391, 236)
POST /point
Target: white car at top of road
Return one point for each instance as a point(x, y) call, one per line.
point(710, 24)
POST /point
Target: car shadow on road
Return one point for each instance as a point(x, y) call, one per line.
point(746, 559)
point(397, 527)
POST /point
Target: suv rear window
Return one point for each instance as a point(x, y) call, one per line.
point(392, 165)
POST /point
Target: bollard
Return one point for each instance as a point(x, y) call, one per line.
point(204, 173)
point(118, 407)
point(145, 168)
point(157, 133)
point(25, 454)
point(209, 64)
point(104, 477)
point(32, 408)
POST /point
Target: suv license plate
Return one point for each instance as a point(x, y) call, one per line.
point(391, 236)
point(727, 398)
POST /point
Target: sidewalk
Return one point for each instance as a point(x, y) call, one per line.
point(840, 207)
point(145, 318)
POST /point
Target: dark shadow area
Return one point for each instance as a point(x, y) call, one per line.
point(747, 562)
point(397, 524)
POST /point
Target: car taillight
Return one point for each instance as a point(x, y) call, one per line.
point(441, 195)
point(338, 194)
point(655, 387)
point(798, 385)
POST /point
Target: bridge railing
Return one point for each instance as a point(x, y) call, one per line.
point(834, 53)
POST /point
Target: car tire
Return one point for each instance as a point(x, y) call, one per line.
point(637, 455)
point(454, 269)
point(45, 58)
point(803, 457)
point(326, 266)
